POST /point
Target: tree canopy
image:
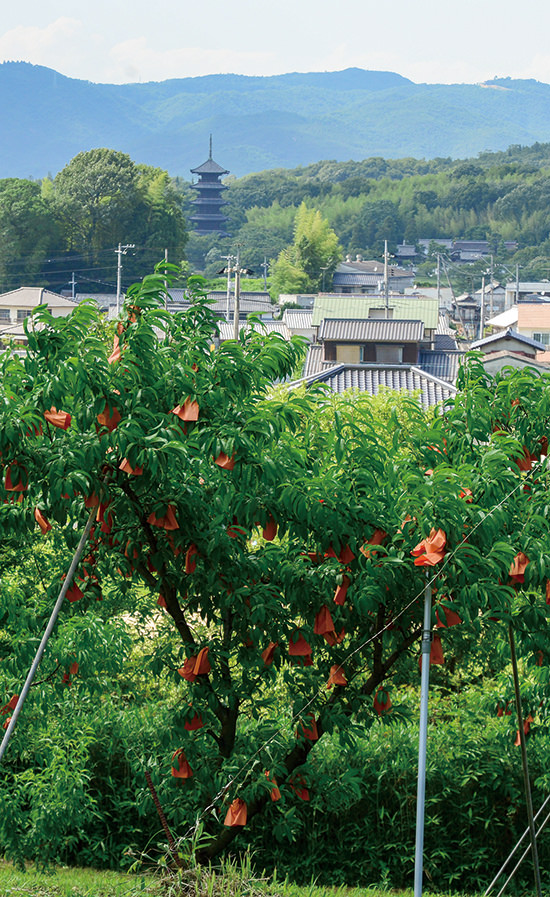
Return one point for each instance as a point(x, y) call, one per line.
point(310, 260)
point(75, 221)
point(278, 542)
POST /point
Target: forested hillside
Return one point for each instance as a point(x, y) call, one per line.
point(496, 196)
point(260, 122)
point(74, 221)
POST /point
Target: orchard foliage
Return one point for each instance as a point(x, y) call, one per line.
point(274, 546)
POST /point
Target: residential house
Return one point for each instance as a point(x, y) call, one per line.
point(508, 348)
point(407, 346)
point(371, 341)
point(467, 311)
point(517, 291)
point(406, 252)
point(16, 305)
point(364, 277)
point(493, 298)
point(401, 306)
point(464, 250)
point(303, 300)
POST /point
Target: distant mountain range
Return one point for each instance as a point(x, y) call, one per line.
point(281, 121)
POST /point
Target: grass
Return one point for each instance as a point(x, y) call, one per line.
point(63, 882)
point(232, 879)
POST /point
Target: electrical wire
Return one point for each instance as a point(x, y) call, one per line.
point(447, 560)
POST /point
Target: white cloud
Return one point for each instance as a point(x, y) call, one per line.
point(65, 45)
point(41, 46)
point(135, 60)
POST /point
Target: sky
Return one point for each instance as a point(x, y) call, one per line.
point(434, 41)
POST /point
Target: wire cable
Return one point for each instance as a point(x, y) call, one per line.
point(448, 558)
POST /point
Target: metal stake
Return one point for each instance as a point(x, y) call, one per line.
point(518, 845)
point(528, 800)
point(522, 857)
point(423, 739)
point(47, 633)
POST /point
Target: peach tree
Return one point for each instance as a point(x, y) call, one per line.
point(277, 543)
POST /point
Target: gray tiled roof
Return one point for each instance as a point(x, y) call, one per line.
point(445, 342)
point(226, 329)
point(374, 330)
point(511, 335)
point(314, 360)
point(251, 302)
point(298, 319)
point(369, 280)
point(371, 378)
point(440, 364)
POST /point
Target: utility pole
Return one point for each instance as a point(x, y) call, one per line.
point(73, 284)
point(237, 295)
point(491, 287)
point(448, 279)
point(122, 250)
point(386, 287)
point(165, 281)
point(517, 284)
point(482, 309)
point(229, 259)
point(438, 280)
point(265, 267)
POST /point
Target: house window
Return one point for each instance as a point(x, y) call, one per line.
point(381, 314)
point(386, 353)
point(22, 313)
point(5, 314)
point(543, 338)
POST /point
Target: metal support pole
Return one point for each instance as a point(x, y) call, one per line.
point(528, 800)
point(524, 854)
point(423, 739)
point(517, 846)
point(47, 633)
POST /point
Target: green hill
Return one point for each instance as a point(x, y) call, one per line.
point(281, 121)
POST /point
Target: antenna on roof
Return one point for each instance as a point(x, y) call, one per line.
point(210, 156)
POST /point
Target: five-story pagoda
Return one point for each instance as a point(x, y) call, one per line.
point(208, 217)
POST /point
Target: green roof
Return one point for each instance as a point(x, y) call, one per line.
point(405, 308)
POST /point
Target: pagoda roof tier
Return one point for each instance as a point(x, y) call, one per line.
point(208, 233)
point(209, 218)
point(208, 185)
point(209, 201)
point(209, 167)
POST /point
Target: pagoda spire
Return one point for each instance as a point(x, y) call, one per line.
point(210, 156)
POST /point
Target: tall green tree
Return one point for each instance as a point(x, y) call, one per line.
point(103, 198)
point(94, 196)
point(28, 232)
point(312, 257)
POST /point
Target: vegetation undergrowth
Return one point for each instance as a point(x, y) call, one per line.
point(231, 879)
point(76, 882)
